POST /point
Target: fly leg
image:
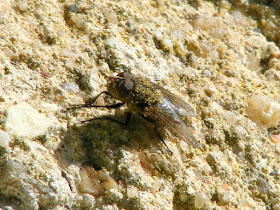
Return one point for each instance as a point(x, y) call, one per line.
point(162, 140)
point(91, 102)
point(127, 119)
point(158, 134)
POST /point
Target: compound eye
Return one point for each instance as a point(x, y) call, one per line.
point(128, 85)
point(124, 75)
point(124, 84)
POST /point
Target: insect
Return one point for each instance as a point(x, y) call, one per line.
point(150, 101)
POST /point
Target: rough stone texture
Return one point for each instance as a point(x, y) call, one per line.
point(214, 54)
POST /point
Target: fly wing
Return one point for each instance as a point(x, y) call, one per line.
point(168, 116)
point(182, 106)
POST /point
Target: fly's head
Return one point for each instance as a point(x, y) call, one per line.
point(121, 86)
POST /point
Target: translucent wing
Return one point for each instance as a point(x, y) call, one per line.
point(167, 114)
point(182, 106)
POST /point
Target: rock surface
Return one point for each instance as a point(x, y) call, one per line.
point(222, 57)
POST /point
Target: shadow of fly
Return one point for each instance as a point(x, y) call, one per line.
point(151, 101)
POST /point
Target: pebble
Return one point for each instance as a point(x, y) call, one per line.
point(228, 73)
point(96, 182)
point(25, 121)
point(240, 131)
point(89, 182)
point(102, 175)
point(132, 192)
point(66, 52)
point(79, 20)
point(224, 197)
point(166, 44)
point(115, 194)
point(88, 201)
point(180, 49)
point(263, 111)
point(275, 138)
point(4, 139)
point(69, 63)
point(8, 53)
point(48, 107)
point(262, 185)
point(214, 55)
point(207, 73)
point(23, 5)
point(200, 200)
point(70, 87)
point(3, 17)
point(209, 90)
point(109, 184)
point(110, 16)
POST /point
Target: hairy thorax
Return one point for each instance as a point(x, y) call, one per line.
point(144, 93)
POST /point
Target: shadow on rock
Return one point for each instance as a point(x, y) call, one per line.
point(102, 143)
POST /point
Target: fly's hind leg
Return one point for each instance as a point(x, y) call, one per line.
point(162, 140)
point(158, 134)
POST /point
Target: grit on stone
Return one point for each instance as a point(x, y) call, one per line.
point(222, 57)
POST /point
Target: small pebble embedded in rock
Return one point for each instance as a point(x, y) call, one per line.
point(200, 200)
point(25, 121)
point(4, 139)
point(263, 111)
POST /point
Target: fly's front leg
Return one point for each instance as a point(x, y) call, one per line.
point(90, 103)
point(128, 117)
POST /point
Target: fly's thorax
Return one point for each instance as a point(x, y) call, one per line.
point(145, 93)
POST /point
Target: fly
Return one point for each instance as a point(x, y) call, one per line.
point(149, 100)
